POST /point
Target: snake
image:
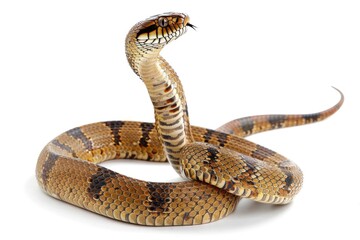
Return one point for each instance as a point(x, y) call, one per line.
point(220, 166)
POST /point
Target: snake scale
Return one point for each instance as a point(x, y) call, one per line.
point(221, 165)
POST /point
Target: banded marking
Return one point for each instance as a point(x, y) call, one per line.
point(146, 128)
point(169, 124)
point(98, 180)
point(212, 155)
point(168, 88)
point(159, 197)
point(207, 135)
point(309, 118)
point(178, 143)
point(77, 133)
point(247, 125)
point(222, 138)
point(115, 127)
point(63, 146)
point(169, 137)
point(48, 165)
point(276, 121)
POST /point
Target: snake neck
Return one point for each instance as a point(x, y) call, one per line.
point(166, 93)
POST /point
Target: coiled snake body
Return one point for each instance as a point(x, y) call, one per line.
point(222, 165)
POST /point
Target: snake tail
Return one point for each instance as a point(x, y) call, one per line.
point(247, 126)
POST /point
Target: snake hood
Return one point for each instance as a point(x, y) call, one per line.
point(148, 37)
point(143, 45)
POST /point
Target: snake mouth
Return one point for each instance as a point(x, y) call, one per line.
point(187, 22)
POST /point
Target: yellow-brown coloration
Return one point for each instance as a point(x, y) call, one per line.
point(224, 166)
point(120, 197)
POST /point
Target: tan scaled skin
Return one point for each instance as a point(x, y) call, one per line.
point(67, 167)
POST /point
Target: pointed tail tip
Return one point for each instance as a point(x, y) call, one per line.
point(339, 104)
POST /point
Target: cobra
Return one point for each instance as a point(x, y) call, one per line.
point(221, 165)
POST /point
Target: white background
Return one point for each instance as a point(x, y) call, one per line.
point(62, 64)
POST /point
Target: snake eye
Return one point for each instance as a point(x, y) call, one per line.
point(163, 22)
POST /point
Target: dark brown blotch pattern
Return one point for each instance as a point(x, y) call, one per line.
point(222, 138)
point(146, 128)
point(115, 127)
point(289, 179)
point(98, 180)
point(207, 135)
point(247, 125)
point(310, 118)
point(159, 198)
point(276, 121)
point(212, 155)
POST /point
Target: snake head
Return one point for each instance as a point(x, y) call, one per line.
point(161, 29)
